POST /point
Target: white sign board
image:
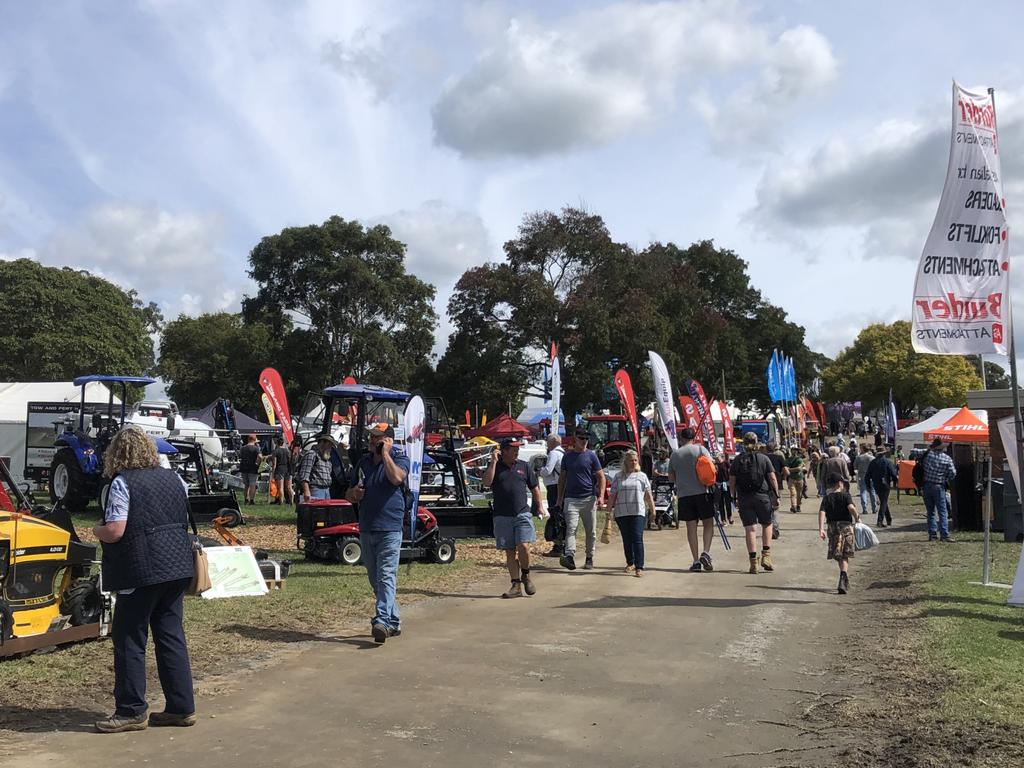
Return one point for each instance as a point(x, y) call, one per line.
point(234, 572)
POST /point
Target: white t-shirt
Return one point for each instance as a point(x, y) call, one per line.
point(630, 491)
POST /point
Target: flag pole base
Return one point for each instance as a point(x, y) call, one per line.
point(996, 584)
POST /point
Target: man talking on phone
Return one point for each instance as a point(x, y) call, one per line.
point(378, 487)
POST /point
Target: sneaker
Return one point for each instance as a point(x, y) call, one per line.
point(753, 565)
point(696, 566)
point(948, 540)
point(516, 590)
point(567, 561)
point(555, 552)
point(588, 564)
point(846, 583)
point(120, 723)
point(171, 719)
point(705, 561)
point(639, 573)
point(792, 510)
point(766, 561)
point(841, 589)
point(629, 569)
point(528, 587)
point(380, 633)
point(776, 533)
point(933, 537)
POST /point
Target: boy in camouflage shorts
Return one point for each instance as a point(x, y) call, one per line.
point(840, 514)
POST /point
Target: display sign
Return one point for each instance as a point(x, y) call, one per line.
point(663, 397)
point(234, 572)
point(44, 421)
point(960, 293)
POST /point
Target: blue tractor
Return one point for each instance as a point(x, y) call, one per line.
point(76, 472)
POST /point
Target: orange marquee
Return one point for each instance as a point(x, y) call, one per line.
point(963, 427)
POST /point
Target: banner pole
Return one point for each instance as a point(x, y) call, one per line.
point(986, 566)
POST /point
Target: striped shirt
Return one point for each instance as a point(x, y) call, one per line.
point(938, 467)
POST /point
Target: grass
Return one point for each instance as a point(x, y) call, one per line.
point(972, 634)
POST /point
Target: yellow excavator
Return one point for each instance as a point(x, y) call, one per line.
point(48, 595)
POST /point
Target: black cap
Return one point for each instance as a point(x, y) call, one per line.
point(937, 443)
point(582, 434)
point(833, 478)
point(687, 433)
point(510, 442)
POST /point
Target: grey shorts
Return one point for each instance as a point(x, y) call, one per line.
point(250, 478)
point(510, 531)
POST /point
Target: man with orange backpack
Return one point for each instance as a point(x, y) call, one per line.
point(693, 471)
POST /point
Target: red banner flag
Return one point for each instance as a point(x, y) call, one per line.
point(809, 409)
point(728, 438)
point(821, 413)
point(625, 387)
point(271, 382)
point(706, 420)
point(349, 381)
point(691, 416)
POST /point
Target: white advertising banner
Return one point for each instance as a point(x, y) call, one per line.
point(961, 305)
point(663, 396)
point(556, 389)
point(415, 435)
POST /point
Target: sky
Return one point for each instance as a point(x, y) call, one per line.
point(155, 142)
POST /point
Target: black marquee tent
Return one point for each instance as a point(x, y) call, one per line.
point(245, 425)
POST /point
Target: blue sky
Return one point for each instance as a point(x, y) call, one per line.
point(156, 141)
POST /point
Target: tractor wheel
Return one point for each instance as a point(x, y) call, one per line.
point(67, 481)
point(82, 602)
point(350, 551)
point(444, 551)
point(234, 517)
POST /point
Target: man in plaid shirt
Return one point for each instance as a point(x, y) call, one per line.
point(938, 471)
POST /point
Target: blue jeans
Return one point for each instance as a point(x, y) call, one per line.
point(866, 492)
point(935, 502)
point(319, 493)
point(380, 556)
point(632, 529)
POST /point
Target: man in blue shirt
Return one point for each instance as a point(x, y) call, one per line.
point(378, 487)
point(580, 490)
point(938, 471)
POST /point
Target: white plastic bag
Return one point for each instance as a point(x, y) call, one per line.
point(864, 536)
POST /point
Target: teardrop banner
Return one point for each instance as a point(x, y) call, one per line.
point(691, 417)
point(625, 387)
point(663, 397)
point(706, 420)
point(415, 433)
point(269, 409)
point(556, 389)
point(270, 381)
point(728, 436)
point(960, 304)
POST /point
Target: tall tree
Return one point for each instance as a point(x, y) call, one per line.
point(881, 357)
point(62, 323)
point(215, 355)
point(342, 292)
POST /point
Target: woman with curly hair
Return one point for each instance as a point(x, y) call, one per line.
point(148, 562)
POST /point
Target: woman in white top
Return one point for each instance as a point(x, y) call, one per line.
point(630, 501)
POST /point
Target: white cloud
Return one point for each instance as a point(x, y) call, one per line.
point(442, 243)
point(368, 57)
point(593, 77)
point(171, 258)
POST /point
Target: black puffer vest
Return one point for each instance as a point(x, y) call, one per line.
point(156, 546)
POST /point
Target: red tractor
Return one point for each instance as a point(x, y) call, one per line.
point(611, 435)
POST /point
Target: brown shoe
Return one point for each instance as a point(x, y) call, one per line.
point(516, 590)
point(766, 561)
point(380, 633)
point(629, 569)
point(171, 719)
point(639, 573)
point(120, 723)
point(528, 587)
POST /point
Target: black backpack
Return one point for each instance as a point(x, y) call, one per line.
point(918, 473)
point(749, 476)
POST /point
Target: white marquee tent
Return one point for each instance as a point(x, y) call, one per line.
point(14, 399)
point(912, 436)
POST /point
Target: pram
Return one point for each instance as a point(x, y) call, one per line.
point(665, 510)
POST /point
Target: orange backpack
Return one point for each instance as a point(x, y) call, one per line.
point(707, 474)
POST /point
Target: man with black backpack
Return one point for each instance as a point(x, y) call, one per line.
point(696, 500)
point(755, 488)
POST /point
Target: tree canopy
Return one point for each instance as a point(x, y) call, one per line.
point(565, 278)
point(339, 299)
point(881, 357)
point(62, 323)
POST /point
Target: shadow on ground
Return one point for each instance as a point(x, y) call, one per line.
point(34, 720)
point(646, 601)
point(276, 635)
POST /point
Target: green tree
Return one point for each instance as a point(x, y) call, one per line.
point(215, 355)
point(881, 357)
point(62, 323)
point(995, 375)
point(606, 304)
point(338, 295)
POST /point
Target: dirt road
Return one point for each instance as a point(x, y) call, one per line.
point(598, 669)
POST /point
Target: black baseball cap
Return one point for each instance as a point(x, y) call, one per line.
point(510, 442)
point(582, 434)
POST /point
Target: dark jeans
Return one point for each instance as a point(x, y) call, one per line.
point(157, 607)
point(723, 500)
point(882, 491)
point(556, 514)
point(632, 529)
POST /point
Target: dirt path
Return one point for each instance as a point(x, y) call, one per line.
point(722, 669)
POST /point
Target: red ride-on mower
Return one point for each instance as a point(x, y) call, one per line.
point(328, 529)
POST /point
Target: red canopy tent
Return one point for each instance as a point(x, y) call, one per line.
point(503, 426)
point(962, 427)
